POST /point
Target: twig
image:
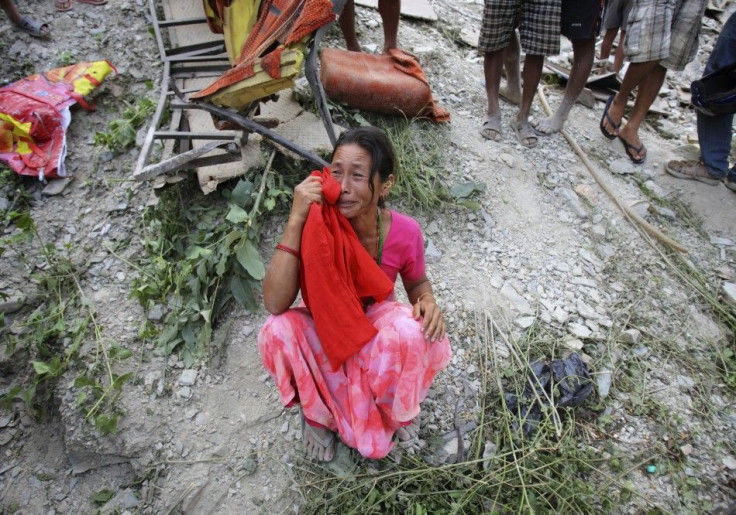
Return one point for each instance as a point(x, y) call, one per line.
point(257, 203)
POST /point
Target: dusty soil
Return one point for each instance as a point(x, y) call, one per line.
point(548, 247)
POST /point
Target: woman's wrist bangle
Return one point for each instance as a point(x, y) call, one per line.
point(288, 250)
point(423, 294)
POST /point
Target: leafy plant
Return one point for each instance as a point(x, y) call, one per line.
point(55, 332)
point(64, 58)
point(122, 131)
point(203, 253)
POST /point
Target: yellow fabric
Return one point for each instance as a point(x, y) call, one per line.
point(98, 70)
point(21, 131)
point(261, 85)
point(239, 18)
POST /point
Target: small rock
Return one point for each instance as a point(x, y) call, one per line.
point(519, 302)
point(431, 254)
point(604, 382)
point(622, 167)
point(508, 159)
point(130, 499)
point(156, 313)
point(188, 377)
point(729, 292)
point(525, 322)
point(685, 382)
point(574, 344)
point(579, 331)
point(730, 462)
point(432, 228)
point(488, 452)
point(655, 189)
point(56, 186)
point(724, 242)
point(630, 336)
point(185, 392)
point(686, 449)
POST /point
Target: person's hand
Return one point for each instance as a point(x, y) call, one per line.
point(306, 192)
point(433, 325)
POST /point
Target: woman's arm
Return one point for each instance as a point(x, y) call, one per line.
point(281, 283)
point(420, 296)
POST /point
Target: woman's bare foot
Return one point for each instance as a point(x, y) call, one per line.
point(319, 442)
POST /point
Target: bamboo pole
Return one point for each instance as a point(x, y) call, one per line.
point(628, 212)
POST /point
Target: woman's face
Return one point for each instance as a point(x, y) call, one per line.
point(351, 167)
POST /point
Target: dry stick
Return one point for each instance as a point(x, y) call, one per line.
point(630, 213)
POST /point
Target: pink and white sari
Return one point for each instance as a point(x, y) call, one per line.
point(375, 392)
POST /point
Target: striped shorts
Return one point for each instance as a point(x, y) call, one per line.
point(665, 30)
point(538, 22)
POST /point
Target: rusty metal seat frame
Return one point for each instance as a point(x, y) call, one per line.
point(210, 60)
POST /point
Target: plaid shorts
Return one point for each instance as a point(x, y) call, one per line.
point(665, 30)
point(538, 22)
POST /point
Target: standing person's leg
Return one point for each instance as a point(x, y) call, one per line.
point(511, 65)
point(582, 63)
point(530, 76)
point(680, 21)
point(580, 23)
point(614, 111)
point(24, 23)
point(347, 25)
point(492, 64)
point(390, 11)
point(714, 132)
point(646, 94)
point(499, 17)
point(539, 31)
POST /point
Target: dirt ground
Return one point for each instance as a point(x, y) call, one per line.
point(549, 246)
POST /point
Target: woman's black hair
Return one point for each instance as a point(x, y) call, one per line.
point(376, 143)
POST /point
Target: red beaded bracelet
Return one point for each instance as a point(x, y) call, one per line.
point(288, 250)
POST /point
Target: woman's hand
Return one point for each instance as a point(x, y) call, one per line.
point(433, 325)
point(306, 192)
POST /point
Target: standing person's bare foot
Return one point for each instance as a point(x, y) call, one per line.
point(319, 442)
point(63, 5)
point(510, 94)
point(549, 125)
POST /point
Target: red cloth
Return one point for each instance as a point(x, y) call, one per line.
point(336, 272)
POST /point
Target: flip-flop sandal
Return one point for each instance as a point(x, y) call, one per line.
point(607, 116)
point(689, 170)
point(491, 131)
point(628, 146)
point(63, 5)
point(93, 2)
point(526, 137)
point(33, 27)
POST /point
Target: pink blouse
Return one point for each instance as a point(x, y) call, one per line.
point(403, 249)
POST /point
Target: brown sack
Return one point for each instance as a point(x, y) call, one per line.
point(392, 84)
